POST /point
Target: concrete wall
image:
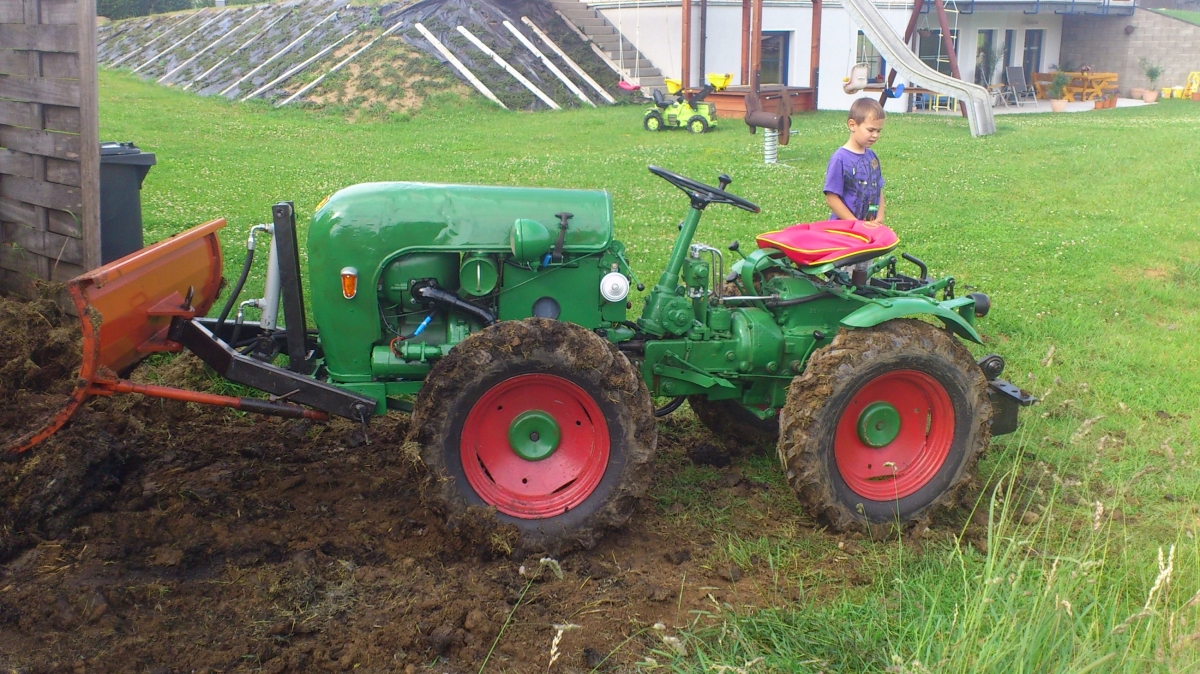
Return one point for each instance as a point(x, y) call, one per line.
point(1101, 42)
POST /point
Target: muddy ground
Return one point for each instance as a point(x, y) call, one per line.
point(156, 536)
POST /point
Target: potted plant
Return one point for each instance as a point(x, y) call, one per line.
point(1153, 71)
point(1056, 89)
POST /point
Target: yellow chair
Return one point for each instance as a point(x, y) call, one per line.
point(942, 103)
point(673, 86)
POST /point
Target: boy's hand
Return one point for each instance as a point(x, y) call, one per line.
point(838, 206)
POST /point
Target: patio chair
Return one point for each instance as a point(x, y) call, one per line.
point(1017, 89)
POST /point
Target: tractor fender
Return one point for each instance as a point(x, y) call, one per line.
point(755, 262)
point(881, 311)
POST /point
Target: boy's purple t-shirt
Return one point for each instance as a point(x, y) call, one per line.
point(857, 179)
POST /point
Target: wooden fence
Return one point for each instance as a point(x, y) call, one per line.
point(49, 145)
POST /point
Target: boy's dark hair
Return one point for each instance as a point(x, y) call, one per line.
point(863, 109)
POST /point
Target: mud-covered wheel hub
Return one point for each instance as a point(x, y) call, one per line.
point(894, 435)
point(535, 446)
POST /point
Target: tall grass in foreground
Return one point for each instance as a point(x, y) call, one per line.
point(1057, 590)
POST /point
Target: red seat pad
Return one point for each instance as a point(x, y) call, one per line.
point(813, 243)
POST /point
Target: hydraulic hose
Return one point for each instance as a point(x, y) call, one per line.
point(670, 407)
point(237, 289)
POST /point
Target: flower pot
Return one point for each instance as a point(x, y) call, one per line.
point(1136, 92)
point(1058, 104)
point(1150, 95)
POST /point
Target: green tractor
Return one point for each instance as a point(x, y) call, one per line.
point(687, 109)
point(499, 317)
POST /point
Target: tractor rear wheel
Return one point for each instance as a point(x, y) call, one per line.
point(733, 424)
point(885, 425)
point(544, 421)
point(653, 121)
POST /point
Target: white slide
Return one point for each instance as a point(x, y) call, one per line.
point(889, 43)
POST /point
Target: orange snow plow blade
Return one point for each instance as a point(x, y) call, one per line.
point(125, 309)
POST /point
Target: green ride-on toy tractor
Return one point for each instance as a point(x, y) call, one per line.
point(687, 110)
point(499, 317)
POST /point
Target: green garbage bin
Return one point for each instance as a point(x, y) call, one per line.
point(123, 167)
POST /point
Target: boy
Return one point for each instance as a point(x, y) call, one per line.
point(854, 181)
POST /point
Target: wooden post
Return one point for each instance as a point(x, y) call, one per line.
point(756, 46)
point(703, 36)
point(89, 134)
point(948, 45)
point(947, 41)
point(908, 33)
point(746, 20)
point(49, 147)
point(814, 59)
point(685, 76)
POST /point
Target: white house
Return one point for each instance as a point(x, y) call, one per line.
point(996, 33)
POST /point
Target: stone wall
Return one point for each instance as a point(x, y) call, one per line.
point(1104, 43)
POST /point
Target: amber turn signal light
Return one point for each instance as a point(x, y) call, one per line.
point(349, 282)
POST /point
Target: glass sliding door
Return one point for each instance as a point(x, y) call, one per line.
point(986, 57)
point(1033, 53)
point(775, 57)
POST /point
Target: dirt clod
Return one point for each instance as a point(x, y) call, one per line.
point(708, 454)
point(679, 556)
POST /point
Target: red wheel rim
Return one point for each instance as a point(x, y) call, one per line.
point(918, 451)
point(546, 487)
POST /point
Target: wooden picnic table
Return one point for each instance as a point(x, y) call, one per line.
point(1083, 86)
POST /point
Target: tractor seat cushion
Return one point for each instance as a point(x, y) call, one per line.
point(841, 242)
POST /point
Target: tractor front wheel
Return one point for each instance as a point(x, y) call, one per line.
point(544, 421)
point(697, 124)
point(653, 121)
point(885, 425)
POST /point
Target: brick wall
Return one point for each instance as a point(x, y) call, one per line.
point(1101, 42)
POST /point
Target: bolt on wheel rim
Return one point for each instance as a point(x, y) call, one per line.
point(535, 446)
point(894, 435)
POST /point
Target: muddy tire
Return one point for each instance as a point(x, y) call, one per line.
point(851, 448)
point(734, 425)
point(544, 422)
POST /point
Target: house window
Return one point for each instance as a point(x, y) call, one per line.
point(867, 53)
point(987, 57)
point(774, 67)
point(1033, 52)
point(930, 50)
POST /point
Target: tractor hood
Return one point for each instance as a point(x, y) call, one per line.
point(393, 218)
point(366, 226)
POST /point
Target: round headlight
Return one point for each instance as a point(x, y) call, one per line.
point(614, 287)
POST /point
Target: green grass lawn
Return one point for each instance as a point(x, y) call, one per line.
point(1083, 229)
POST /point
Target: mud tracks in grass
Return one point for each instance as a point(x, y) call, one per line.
point(151, 534)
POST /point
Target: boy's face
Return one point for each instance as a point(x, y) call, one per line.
point(866, 133)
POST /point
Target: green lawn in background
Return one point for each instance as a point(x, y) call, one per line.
point(1083, 228)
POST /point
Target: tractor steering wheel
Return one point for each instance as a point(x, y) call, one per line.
point(703, 195)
